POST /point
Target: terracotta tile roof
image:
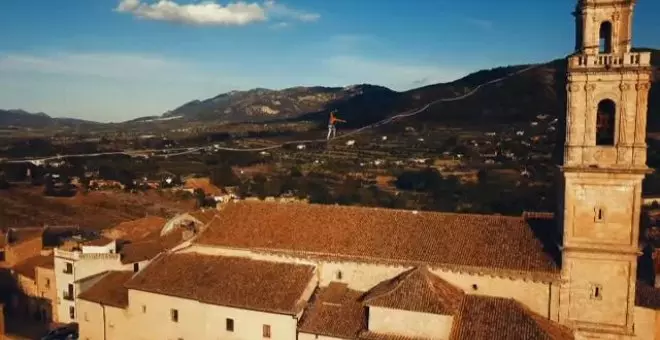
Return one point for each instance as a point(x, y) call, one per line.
point(204, 216)
point(19, 235)
point(149, 248)
point(101, 241)
point(335, 311)
point(487, 242)
point(647, 296)
point(27, 267)
point(227, 281)
point(416, 290)
point(367, 335)
point(137, 229)
point(110, 290)
point(204, 184)
point(482, 317)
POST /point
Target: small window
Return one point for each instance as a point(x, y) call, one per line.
point(72, 312)
point(339, 275)
point(174, 315)
point(266, 331)
point(229, 325)
point(596, 292)
point(144, 309)
point(47, 283)
point(136, 267)
point(86, 317)
point(69, 268)
point(599, 214)
point(475, 287)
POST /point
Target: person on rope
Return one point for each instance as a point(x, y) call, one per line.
point(332, 130)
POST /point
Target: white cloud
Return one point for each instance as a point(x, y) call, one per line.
point(397, 75)
point(212, 13)
point(481, 23)
point(106, 65)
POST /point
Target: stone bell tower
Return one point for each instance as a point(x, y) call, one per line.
point(604, 164)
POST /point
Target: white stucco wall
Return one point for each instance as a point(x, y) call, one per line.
point(83, 266)
point(412, 324)
point(201, 321)
point(109, 248)
point(99, 322)
point(307, 336)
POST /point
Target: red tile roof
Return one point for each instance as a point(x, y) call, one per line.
point(101, 241)
point(110, 290)
point(482, 317)
point(149, 248)
point(204, 184)
point(137, 229)
point(28, 266)
point(227, 281)
point(335, 311)
point(502, 244)
point(416, 290)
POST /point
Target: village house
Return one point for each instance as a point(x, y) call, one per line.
point(18, 244)
point(128, 247)
point(35, 278)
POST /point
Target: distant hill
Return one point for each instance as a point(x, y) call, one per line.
point(24, 119)
point(518, 99)
point(258, 105)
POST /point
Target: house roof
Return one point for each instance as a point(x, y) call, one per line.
point(110, 290)
point(483, 317)
point(416, 290)
point(204, 184)
point(335, 311)
point(227, 281)
point(150, 247)
point(28, 266)
point(101, 241)
point(500, 244)
point(137, 229)
point(647, 296)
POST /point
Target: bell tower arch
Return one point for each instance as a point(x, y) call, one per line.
point(604, 165)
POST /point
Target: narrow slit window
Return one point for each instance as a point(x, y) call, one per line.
point(229, 325)
point(596, 292)
point(599, 214)
point(174, 315)
point(266, 331)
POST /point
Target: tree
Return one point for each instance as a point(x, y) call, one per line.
point(224, 176)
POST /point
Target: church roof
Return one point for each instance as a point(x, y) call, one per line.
point(484, 317)
point(335, 311)
point(416, 290)
point(499, 245)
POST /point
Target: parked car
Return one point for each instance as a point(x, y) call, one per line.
point(66, 332)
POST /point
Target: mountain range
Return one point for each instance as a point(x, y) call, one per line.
point(518, 98)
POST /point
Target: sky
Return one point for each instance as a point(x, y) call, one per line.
point(113, 60)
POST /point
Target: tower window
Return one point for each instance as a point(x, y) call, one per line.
point(596, 292)
point(605, 42)
point(605, 122)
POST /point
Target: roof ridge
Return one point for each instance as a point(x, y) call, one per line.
point(403, 277)
point(359, 207)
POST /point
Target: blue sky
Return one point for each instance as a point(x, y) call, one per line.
point(112, 60)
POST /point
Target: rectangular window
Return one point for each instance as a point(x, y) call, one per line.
point(69, 268)
point(266, 331)
point(136, 267)
point(86, 317)
point(47, 283)
point(229, 325)
point(174, 315)
point(72, 312)
point(144, 309)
